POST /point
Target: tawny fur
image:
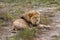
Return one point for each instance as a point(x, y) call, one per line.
point(35, 20)
point(32, 16)
point(19, 24)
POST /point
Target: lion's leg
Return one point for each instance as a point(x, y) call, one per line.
point(13, 29)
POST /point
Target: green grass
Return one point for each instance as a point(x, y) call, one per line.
point(32, 1)
point(26, 34)
point(6, 18)
point(2, 23)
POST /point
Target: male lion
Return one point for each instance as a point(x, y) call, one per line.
point(32, 16)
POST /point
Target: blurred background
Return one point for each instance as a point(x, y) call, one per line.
point(12, 9)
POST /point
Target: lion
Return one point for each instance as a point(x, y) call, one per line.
point(19, 24)
point(32, 17)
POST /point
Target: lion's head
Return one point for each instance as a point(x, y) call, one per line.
point(32, 16)
point(35, 20)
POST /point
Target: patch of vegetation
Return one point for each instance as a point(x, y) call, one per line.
point(5, 18)
point(2, 23)
point(32, 1)
point(11, 17)
point(17, 11)
point(26, 34)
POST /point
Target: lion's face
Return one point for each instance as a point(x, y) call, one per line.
point(35, 20)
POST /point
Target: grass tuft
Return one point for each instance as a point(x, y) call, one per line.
point(26, 34)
